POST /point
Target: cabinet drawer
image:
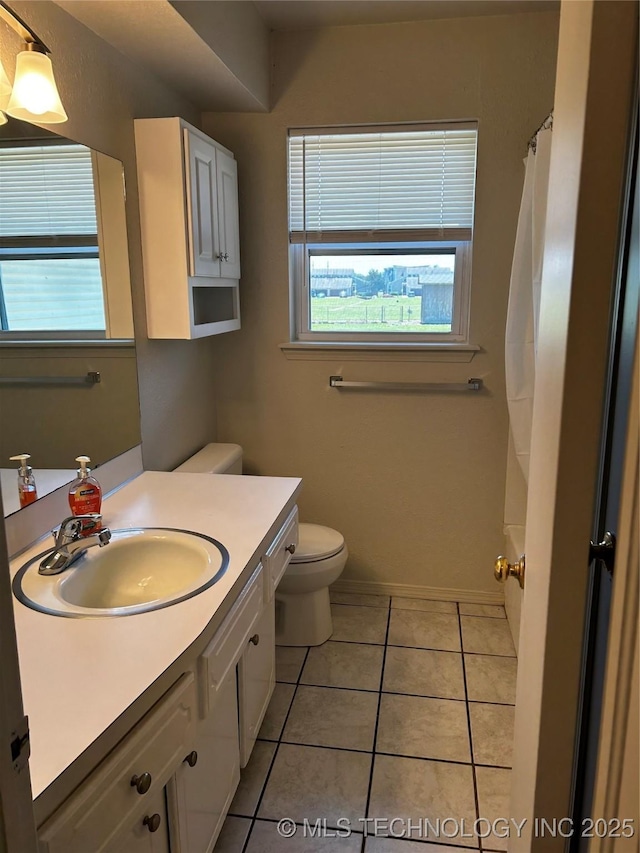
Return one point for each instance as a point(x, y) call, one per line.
point(223, 652)
point(279, 554)
point(106, 802)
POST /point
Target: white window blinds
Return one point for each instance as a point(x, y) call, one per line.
point(46, 190)
point(378, 185)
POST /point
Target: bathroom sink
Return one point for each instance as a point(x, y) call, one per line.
point(140, 569)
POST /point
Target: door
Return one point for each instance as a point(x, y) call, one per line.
point(202, 789)
point(256, 679)
point(202, 207)
point(227, 182)
point(17, 823)
point(594, 89)
point(608, 514)
point(148, 833)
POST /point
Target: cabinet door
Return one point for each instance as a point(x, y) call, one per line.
point(118, 791)
point(149, 833)
point(256, 680)
point(200, 795)
point(228, 225)
point(202, 207)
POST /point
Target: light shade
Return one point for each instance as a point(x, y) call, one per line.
point(35, 94)
point(5, 89)
point(3, 118)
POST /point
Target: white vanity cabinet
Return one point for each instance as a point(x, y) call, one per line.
point(236, 679)
point(117, 802)
point(147, 834)
point(279, 553)
point(168, 785)
point(201, 791)
point(256, 679)
point(188, 195)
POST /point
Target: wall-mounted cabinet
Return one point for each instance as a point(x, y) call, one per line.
point(188, 190)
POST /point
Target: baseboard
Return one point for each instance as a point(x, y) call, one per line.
point(435, 593)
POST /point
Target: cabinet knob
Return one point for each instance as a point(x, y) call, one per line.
point(141, 783)
point(152, 822)
point(291, 548)
point(192, 758)
point(225, 257)
point(255, 639)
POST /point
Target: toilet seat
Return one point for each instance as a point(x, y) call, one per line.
point(316, 542)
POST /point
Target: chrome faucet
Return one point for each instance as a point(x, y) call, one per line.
point(72, 541)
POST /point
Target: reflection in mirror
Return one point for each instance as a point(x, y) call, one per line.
point(68, 383)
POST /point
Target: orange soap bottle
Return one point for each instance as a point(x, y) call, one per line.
point(26, 481)
point(85, 493)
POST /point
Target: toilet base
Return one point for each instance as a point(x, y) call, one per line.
point(303, 619)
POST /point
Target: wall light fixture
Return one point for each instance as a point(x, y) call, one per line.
point(34, 96)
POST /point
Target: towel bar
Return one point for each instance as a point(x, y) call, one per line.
point(473, 384)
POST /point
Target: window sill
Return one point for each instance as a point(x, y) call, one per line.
point(336, 351)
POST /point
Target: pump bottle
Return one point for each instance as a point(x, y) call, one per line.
point(85, 493)
point(27, 492)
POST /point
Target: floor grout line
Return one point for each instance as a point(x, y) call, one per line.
point(374, 752)
point(466, 693)
point(429, 648)
point(401, 693)
point(375, 731)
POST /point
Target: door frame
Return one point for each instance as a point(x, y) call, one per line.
point(616, 792)
point(595, 83)
point(17, 821)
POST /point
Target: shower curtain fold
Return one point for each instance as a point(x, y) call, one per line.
point(524, 300)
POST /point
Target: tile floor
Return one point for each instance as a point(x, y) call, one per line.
point(406, 712)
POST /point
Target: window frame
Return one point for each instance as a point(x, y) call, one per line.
point(51, 246)
point(398, 242)
point(300, 286)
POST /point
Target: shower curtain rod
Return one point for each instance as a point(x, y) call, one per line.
point(547, 124)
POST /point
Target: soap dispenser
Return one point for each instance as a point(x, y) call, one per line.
point(26, 481)
point(85, 493)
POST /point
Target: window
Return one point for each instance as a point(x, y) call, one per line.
point(380, 228)
point(50, 278)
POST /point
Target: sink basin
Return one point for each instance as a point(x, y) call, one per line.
point(140, 569)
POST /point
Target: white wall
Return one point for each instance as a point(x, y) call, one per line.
point(415, 482)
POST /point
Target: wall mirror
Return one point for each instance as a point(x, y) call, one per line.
point(68, 379)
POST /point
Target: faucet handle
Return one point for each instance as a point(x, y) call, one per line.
point(76, 526)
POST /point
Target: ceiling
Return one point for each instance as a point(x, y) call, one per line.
point(216, 52)
point(308, 14)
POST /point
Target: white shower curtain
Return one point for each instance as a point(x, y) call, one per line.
point(524, 301)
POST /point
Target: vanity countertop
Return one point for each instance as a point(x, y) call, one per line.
point(79, 675)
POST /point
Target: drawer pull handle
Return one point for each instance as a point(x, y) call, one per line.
point(152, 822)
point(255, 639)
point(291, 548)
point(141, 783)
point(192, 758)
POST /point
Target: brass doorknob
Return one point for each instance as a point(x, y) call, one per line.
point(503, 569)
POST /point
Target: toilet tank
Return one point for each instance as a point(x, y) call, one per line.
point(214, 459)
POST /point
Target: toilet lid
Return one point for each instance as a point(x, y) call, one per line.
point(316, 542)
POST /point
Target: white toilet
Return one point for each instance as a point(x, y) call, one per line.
point(303, 612)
